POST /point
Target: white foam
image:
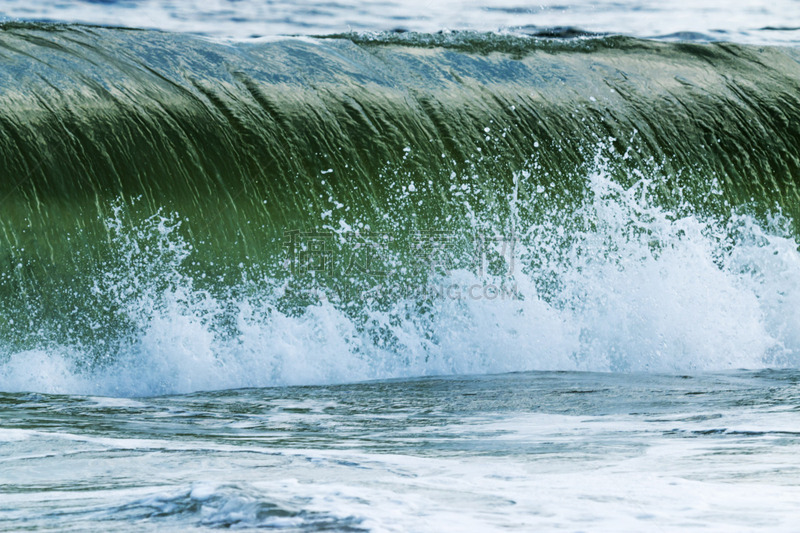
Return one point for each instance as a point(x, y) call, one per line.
point(639, 288)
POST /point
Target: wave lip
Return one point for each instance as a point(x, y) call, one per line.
point(650, 188)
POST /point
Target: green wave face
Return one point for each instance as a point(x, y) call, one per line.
point(138, 162)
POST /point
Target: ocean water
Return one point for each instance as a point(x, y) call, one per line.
point(526, 451)
point(382, 266)
point(750, 21)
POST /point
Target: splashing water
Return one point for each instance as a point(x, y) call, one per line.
point(617, 282)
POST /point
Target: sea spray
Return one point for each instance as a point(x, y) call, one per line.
point(216, 215)
point(617, 282)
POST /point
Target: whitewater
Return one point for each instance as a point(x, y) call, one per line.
point(372, 266)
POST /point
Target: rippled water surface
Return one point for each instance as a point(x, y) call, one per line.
point(598, 452)
point(753, 21)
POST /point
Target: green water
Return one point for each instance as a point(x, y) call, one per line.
point(232, 145)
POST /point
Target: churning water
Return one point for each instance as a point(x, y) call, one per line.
point(531, 271)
